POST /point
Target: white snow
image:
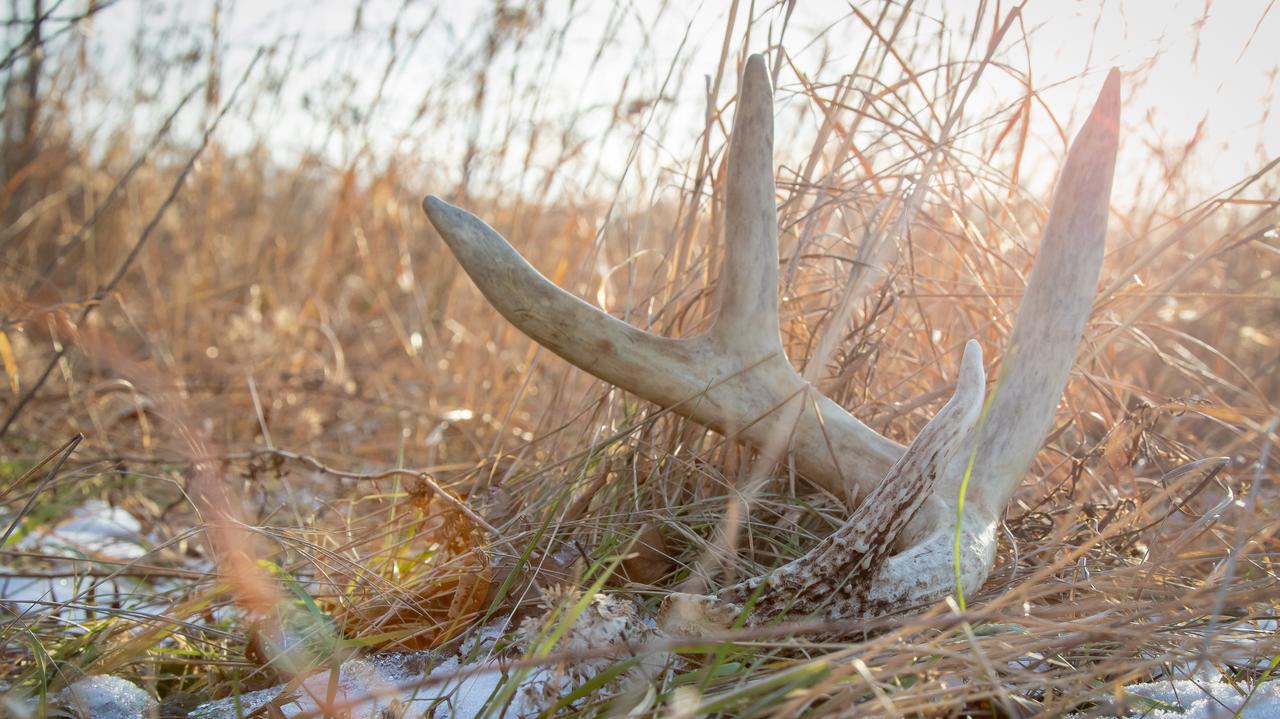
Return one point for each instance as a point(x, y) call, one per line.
point(366, 687)
point(466, 697)
point(32, 595)
point(93, 529)
point(391, 682)
point(1203, 697)
point(105, 697)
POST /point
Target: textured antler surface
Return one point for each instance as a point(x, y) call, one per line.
point(737, 380)
point(1051, 317)
point(836, 576)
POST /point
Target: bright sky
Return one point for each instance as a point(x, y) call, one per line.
point(1215, 65)
point(1187, 66)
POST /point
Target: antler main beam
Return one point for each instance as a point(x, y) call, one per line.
point(736, 379)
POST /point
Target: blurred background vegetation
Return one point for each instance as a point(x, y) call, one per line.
point(213, 265)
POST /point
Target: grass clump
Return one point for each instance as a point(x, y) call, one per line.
point(334, 446)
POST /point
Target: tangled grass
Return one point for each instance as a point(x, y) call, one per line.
point(277, 368)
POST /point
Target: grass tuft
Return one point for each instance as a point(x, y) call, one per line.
point(277, 370)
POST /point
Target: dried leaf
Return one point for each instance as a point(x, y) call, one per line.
point(10, 364)
point(436, 586)
point(649, 560)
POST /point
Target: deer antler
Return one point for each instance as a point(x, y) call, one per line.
point(737, 380)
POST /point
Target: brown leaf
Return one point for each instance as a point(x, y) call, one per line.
point(649, 560)
point(10, 364)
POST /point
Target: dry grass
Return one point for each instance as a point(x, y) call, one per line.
point(299, 301)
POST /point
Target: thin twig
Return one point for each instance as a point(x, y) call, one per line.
point(430, 481)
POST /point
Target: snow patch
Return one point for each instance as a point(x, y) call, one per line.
point(105, 697)
point(463, 686)
point(93, 529)
point(1201, 697)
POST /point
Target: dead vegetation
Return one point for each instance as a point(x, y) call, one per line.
point(279, 372)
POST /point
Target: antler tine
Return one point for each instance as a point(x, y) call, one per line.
point(659, 369)
point(747, 323)
point(851, 573)
point(1051, 317)
point(736, 378)
point(838, 575)
point(1037, 363)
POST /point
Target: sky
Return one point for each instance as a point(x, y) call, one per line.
point(1190, 67)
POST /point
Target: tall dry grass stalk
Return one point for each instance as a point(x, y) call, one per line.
point(291, 301)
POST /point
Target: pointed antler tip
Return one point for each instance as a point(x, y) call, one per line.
point(1108, 104)
point(756, 74)
point(971, 361)
point(439, 211)
point(447, 219)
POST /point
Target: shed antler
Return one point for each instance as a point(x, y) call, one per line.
point(737, 380)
